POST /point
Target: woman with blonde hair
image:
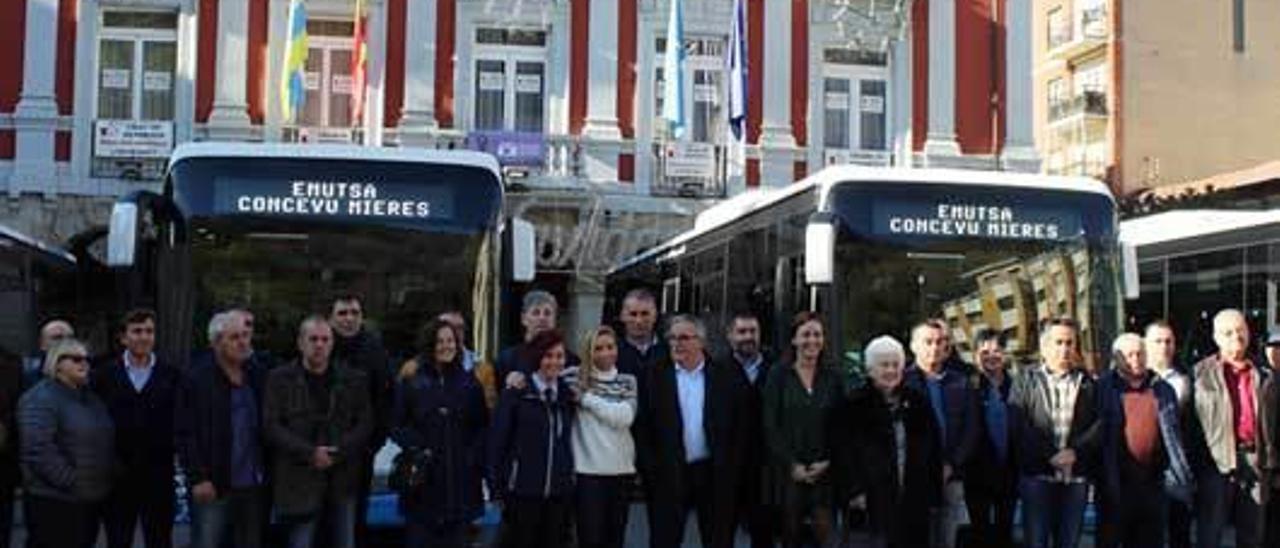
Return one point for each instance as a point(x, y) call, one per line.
point(67, 443)
point(603, 451)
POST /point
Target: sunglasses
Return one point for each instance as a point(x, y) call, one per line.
point(75, 358)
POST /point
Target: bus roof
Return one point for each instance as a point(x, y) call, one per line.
point(1185, 224)
point(749, 202)
point(10, 236)
point(210, 149)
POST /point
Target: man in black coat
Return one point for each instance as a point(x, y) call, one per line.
point(640, 345)
point(753, 513)
point(362, 351)
point(991, 483)
point(140, 392)
point(220, 439)
point(690, 432)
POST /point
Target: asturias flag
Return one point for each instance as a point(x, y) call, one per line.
point(293, 90)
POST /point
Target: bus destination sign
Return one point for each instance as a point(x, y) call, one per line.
point(975, 220)
point(331, 198)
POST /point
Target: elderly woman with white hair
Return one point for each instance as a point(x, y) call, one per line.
point(67, 451)
point(888, 454)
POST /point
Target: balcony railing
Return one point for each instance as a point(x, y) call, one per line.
point(1089, 103)
point(691, 170)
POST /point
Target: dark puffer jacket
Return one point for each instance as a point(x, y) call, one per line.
point(67, 443)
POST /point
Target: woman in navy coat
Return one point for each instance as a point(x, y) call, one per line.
point(440, 412)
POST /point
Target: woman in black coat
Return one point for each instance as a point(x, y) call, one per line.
point(530, 459)
point(889, 457)
point(440, 413)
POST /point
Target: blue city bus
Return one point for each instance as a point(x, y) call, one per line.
point(37, 282)
point(280, 229)
point(877, 250)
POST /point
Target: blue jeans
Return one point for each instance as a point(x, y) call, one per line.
point(1052, 512)
point(341, 517)
point(237, 514)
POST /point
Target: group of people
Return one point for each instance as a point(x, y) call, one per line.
point(99, 448)
point(930, 451)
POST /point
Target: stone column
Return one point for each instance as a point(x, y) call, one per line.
point(230, 117)
point(601, 135)
point(900, 84)
point(418, 118)
point(1019, 152)
point(941, 139)
point(776, 140)
point(35, 118)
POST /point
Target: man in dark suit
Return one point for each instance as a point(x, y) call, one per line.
point(140, 393)
point(640, 345)
point(753, 513)
point(690, 437)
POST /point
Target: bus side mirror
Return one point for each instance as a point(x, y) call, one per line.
point(1129, 265)
point(523, 251)
point(819, 251)
point(122, 237)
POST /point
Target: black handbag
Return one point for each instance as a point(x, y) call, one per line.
point(409, 470)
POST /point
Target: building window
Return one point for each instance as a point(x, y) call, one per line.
point(854, 102)
point(510, 80)
point(1059, 30)
point(137, 55)
point(1055, 96)
point(134, 102)
point(704, 90)
point(328, 81)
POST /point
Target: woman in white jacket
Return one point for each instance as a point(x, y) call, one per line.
point(603, 451)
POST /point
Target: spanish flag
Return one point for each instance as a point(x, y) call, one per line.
point(293, 91)
point(359, 63)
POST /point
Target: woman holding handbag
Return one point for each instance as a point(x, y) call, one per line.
point(439, 419)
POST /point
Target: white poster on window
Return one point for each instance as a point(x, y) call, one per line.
point(705, 92)
point(872, 104)
point(153, 80)
point(341, 84)
point(312, 81)
point(836, 100)
point(492, 81)
point(116, 78)
point(132, 139)
point(691, 160)
point(528, 83)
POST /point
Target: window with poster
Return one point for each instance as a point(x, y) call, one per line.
point(325, 116)
point(133, 123)
point(855, 107)
point(510, 80)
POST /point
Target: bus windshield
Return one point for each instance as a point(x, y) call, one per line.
point(283, 271)
point(999, 261)
point(411, 235)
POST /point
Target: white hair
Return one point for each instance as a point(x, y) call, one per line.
point(884, 346)
point(1125, 338)
point(60, 349)
point(220, 322)
point(1225, 315)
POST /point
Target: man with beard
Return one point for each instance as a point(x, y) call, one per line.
point(362, 350)
point(754, 513)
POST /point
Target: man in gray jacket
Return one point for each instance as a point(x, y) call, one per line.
point(318, 421)
point(1230, 445)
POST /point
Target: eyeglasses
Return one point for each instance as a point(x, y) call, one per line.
point(76, 358)
point(681, 338)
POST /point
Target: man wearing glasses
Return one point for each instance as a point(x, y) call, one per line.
point(690, 435)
